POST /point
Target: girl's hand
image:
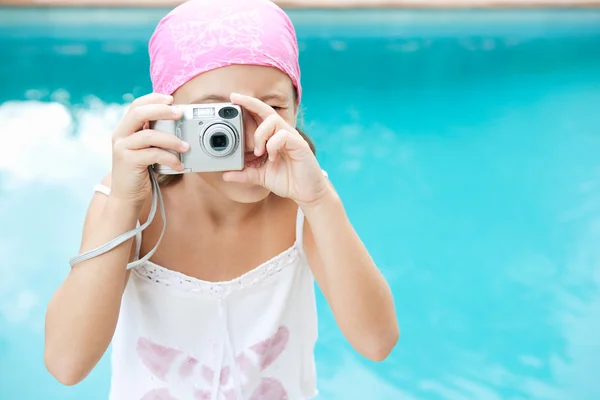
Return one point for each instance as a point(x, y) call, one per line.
point(135, 147)
point(291, 169)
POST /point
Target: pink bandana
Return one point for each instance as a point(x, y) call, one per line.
point(202, 35)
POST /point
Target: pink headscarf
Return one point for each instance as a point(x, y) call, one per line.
point(202, 35)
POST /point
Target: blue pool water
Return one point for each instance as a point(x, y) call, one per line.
point(466, 146)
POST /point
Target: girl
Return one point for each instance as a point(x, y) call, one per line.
point(225, 309)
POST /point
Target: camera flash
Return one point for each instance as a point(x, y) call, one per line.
point(204, 112)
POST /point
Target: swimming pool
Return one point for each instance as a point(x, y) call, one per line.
point(466, 146)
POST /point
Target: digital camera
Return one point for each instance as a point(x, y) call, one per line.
point(215, 135)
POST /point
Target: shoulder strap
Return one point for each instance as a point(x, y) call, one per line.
point(300, 228)
point(300, 224)
point(102, 189)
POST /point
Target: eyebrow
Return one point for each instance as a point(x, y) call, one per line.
point(211, 98)
point(214, 98)
point(276, 97)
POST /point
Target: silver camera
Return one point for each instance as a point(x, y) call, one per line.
point(215, 135)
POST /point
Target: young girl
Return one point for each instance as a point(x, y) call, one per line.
point(225, 309)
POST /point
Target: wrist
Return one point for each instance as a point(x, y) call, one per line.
point(327, 202)
point(125, 209)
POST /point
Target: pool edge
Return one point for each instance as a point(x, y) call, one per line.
point(326, 4)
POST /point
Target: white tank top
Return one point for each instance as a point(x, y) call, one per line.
point(180, 338)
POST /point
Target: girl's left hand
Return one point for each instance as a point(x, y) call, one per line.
point(291, 169)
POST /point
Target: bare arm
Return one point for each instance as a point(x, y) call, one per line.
point(356, 291)
point(82, 315)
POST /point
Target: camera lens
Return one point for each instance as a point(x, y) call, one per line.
point(228, 113)
point(219, 141)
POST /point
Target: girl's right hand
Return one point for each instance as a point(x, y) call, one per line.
point(135, 147)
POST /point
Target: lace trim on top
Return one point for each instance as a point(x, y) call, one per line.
point(157, 274)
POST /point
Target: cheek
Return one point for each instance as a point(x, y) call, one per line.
point(250, 126)
point(249, 130)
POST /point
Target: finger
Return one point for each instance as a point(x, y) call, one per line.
point(283, 141)
point(152, 156)
point(264, 132)
point(138, 116)
point(255, 106)
point(151, 138)
point(253, 176)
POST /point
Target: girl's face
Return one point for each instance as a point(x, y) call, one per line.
point(267, 84)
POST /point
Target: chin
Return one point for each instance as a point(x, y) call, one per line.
point(244, 193)
point(238, 192)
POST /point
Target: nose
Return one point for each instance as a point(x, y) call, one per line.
point(249, 130)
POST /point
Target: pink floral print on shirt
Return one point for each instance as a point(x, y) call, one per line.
point(185, 374)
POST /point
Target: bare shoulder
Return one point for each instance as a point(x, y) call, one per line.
point(284, 208)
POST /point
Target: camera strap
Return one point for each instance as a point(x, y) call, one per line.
point(156, 198)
